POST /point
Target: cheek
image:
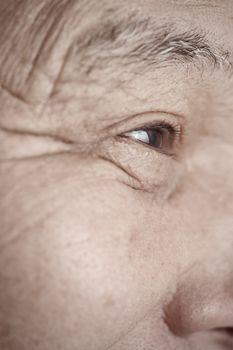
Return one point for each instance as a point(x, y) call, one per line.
point(78, 257)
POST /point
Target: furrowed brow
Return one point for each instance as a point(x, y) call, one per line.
point(142, 42)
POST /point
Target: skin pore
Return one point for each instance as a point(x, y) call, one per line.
point(108, 242)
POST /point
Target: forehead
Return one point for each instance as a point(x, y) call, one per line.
point(50, 28)
point(213, 18)
point(212, 14)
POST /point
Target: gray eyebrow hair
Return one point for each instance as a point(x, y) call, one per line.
point(141, 41)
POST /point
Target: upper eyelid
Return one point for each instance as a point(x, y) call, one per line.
point(144, 120)
point(159, 124)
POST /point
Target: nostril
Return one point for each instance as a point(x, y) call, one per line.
point(227, 330)
point(224, 335)
point(189, 313)
point(230, 331)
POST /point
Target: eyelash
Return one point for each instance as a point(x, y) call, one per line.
point(174, 129)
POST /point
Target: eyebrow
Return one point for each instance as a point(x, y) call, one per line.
point(142, 42)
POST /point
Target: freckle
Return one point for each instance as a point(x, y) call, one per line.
point(134, 237)
point(109, 302)
point(36, 342)
point(133, 242)
point(4, 333)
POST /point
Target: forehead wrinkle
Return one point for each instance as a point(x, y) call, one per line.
point(134, 40)
point(200, 3)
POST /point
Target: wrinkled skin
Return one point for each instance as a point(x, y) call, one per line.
point(106, 243)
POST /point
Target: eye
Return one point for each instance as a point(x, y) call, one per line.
point(162, 137)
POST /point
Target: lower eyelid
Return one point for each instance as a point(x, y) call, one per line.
point(150, 171)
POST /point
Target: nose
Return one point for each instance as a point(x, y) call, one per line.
point(202, 302)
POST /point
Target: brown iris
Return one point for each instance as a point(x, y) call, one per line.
point(162, 137)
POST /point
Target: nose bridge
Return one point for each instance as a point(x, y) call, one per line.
point(218, 229)
point(212, 167)
point(211, 205)
point(210, 170)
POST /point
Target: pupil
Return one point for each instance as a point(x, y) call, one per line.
point(155, 138)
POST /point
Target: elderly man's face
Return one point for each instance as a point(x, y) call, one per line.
point(116, 175)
